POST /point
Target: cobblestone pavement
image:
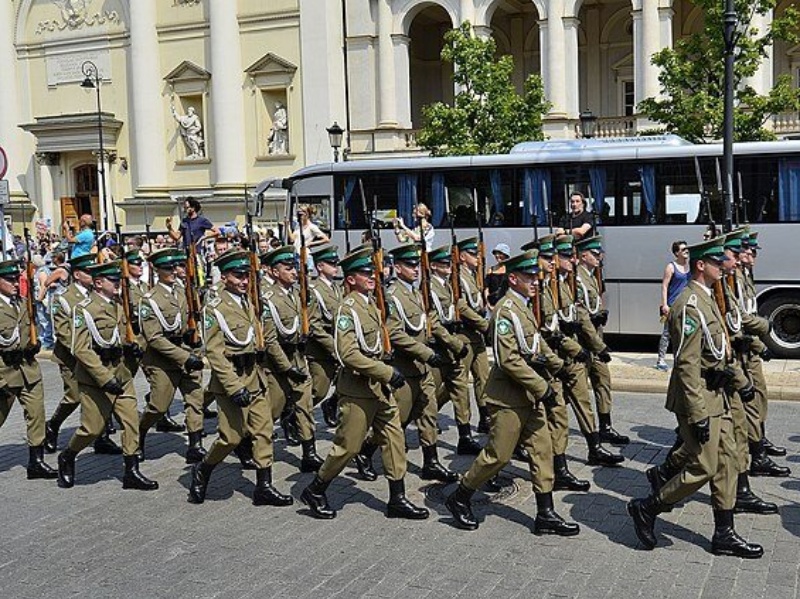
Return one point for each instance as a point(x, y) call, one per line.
point(99, 541)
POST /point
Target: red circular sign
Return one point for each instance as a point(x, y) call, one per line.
point(3, 163)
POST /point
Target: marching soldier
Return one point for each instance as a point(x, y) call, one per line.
point(20, 374)
point(239, 385)
point(365, 384)
point(324, 299)
point(590, 293)
point(169, 363)
point(516, 395)
point(451, 379)
point(104, 382)
point(475, 326)
point(697, 396)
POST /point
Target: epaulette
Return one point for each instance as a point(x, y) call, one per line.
point(508, 303)
point(214, 301)
point(349, 301)
point(85, 302)
point(149, 294)
point(268, 294)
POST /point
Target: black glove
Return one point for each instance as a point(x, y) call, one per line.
point(296, 375)
point(766, 354)
point(538, 363)
point(5, 392)
point(747, 394)
point(397, 380)
point(549, 399)
point(583, 357)
point(187, 339)
point(31, 351)
point(563, 376)
point(193, 363)
point(555, 340)
point(702, 431)
point(113, 387)
point(135, 326)
point(437, 360)
point(604, 356)
point(242, 398)
point(742, 344)
point(132, 351)
point(600, 319)
point(463, 353)
point(569, 328)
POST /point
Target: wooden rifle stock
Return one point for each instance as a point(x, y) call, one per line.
point(305, 326)
point(192, 298)
point(480, 271)
point(30, 275)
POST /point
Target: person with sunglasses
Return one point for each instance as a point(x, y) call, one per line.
point(676, 277)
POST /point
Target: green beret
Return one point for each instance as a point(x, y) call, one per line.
point(470, 244)
point(527, 262)
point(233, 260)
point(133, 257)
point(9, 267)
point(326, 252)
point(82, 261)
point(284, 254)
point(564, 244)
point(590, 243)
point(408, 252)
point(111, 269)
point(735, 239)
point(547, 245)
point(359, 260)
point(712, 249)
point(166, 257)
point(440, 254)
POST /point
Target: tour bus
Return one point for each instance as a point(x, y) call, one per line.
point(645, 193)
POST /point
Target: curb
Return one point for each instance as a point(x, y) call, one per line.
point(631, 385)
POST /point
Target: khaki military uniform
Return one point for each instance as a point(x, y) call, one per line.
point(698, 334)
point(324, 298)
point(98, 331)
point(513, 391)
point(162, 316)
point(590, 300)
point(365, 401)
point(138, 289)
point(19, 371)
point(229, 324)
point(475, 326)
point(61, 310)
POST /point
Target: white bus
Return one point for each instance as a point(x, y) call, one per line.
point(645, 192)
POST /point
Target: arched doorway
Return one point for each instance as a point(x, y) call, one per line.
point(86, 199)
point(430, 79)
point(515, 29)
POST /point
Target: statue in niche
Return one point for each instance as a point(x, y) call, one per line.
point(192, 132)
point(279, 134)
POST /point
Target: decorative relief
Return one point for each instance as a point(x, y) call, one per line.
point(76, 14)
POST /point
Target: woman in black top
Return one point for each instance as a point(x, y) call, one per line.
point(496, 283)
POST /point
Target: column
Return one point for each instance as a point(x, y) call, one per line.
point(555, 84)
point(48, 165)
point(387, 109)
point(466, 12)
point(149, 156)
point(646, 42)
point(402, 72)
point(571, 67)
point(9, 114)
point(761, 81)
point(227, 104)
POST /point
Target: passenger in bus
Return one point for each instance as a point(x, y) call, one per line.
point(422, 216)
point(495, 284)
point(676, 277)
point(312, 234)
point(578, 222)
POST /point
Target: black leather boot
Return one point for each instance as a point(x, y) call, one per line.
point(330, 410)
point(599, 455)
point(196, 452)
point(133, 479)
point(37, 468)
point(565, 480)
point(432, 468)
point(201, 474)
point(105, 445)
point(167, 425)
point(66, 468)
point(244, 451)
point(521, 454)
point(644, 512)
point(658, 476)
point(53, 425)
point(399, 506)
point(771, 449)
point(548, 522)
point(726, 542)
point(314, 497)
point(466, 444)
point(762, 465)
point(142, 439)
point(748, 502)
point(310, 462)
point(265, 494)
point(110, 428)
point(484, 422)
point(460, 505)
point(363, 460)
point(608, 434)
point(288, 421)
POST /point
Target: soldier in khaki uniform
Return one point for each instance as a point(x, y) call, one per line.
point(475, 326)
point(365, 384)
point(20, 375)
point(169, 364)
point(239, 385)
point(516, 395)
point(104, 382)
point(452, 379)
point(698, 398)
point(590, 294)
point(324, 296)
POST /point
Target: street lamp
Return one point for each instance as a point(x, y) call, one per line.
point(335, 133)
point(588, 124)
point(92, 81)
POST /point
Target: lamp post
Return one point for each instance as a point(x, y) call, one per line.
point(729, 23)
point(588, 124)
point(92, 81)
point(335, 133)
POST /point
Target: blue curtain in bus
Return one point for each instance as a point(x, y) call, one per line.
point(496, 183)
point(788, 190)
point(437, 197)
point(597, 179)
point(349, 188)
point(647, 173)
point(406, 195)
point(536, 185)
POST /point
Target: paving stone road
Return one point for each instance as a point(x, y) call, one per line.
point(99, 541)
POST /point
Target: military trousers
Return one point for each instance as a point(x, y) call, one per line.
point(452, 385)
point(712, 462)
point(558, 424)
point(600, 377)
point(163, 384)
point(526, 426)
point(282, 391)
point(740, 433)
point(416, 401)
point(31, 398)
point(756, 410)
point(577, 395)
point(323, 374)
point(97, 407)
point(477, 363)
point(234, 423)
point(72, 396)
point(357, 415)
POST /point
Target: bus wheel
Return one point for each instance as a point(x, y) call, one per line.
point(784, 312)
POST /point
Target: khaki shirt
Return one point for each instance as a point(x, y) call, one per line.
point(61, 310)
point(98, 323)
point(15, 336)
point(443, 308)
point(472, 308)
point(323, 301)
point(162, 317)
point(550, 322)
point(407, 322)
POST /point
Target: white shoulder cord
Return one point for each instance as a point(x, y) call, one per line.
point(399, 305)
point(570, 315)
point(586, 299)
point(276, 318)
point(553, 324)
point(446, 319)
point(9, 341)
point(524, 348)
point(226, 330)
point(175, 325)
point(96, 336)
point(475, 304)
point(717, 352)
point(323, 308)
point(362, 342)
point(734, 322)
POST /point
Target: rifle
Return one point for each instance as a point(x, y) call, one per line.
point(377, 263)
point(192, 283)
point(573, 276)
point(480, 272)
point(125, 288)
point(346, 219)
point(704, 197)
point(33, 338)
point(455, 259)
point(742, 201)
point(719, 185)
point(305, 327)
point(424, 275)
point(150, 271)
point(254, 290)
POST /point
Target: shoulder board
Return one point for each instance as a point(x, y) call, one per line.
point(268, 294)
point(84, 302)
point(350, 301)
point(149, 294)
point(213, 301)
point(508, 303)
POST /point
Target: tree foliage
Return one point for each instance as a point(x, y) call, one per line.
point(488, 116)
point(692, 76)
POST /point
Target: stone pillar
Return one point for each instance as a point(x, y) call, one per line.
point(227, 105)
point(571, 76)
point(149, 155)
point(762, 81)
point(647, 41)
point(555, 83)
point(9, 111)
point(402, 72)
point(48, 169)
point(387, 109)
point(466, 12)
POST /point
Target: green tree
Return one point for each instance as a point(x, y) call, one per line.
point(488, 116)
point(692, 76)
